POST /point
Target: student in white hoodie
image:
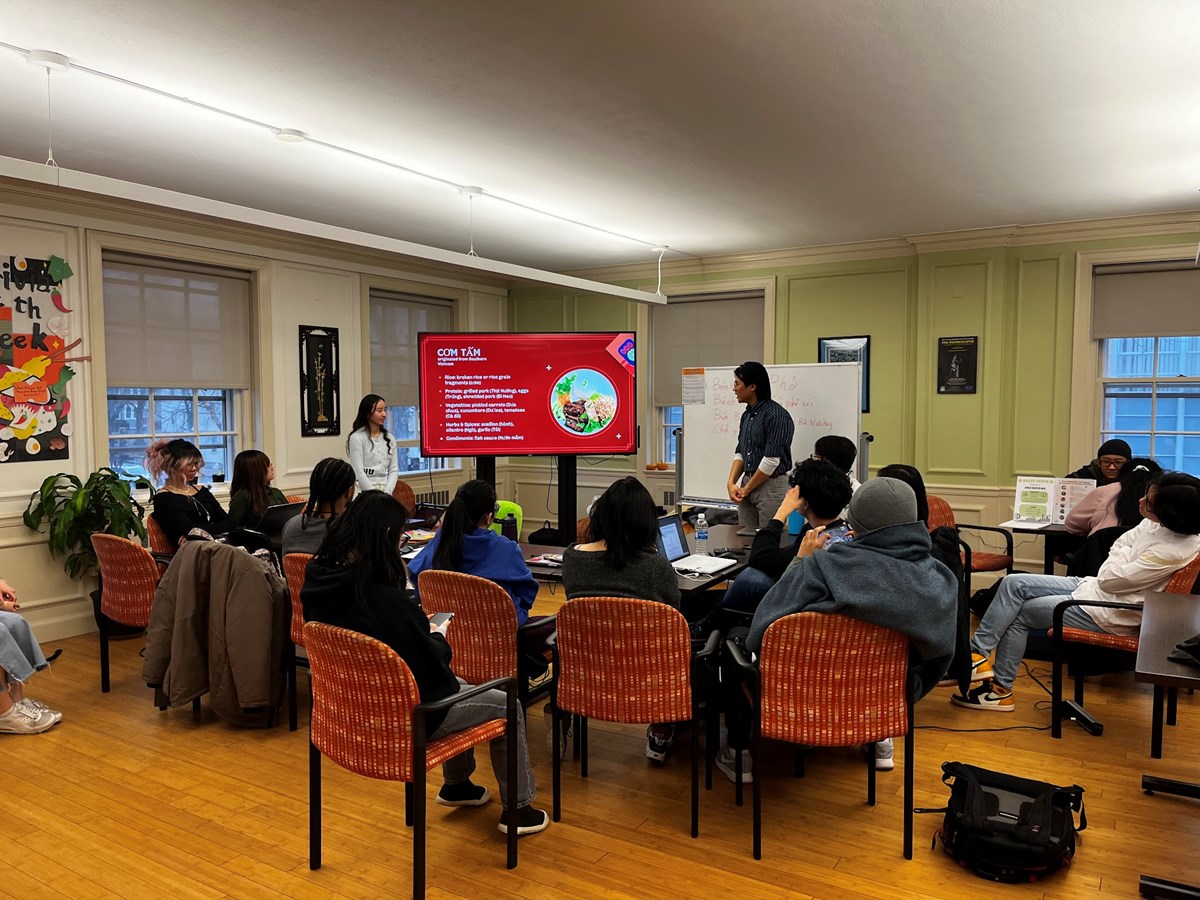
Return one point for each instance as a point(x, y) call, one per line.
point(1142, 560)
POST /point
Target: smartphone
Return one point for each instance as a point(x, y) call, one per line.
point(840, 535)
point(437, 620)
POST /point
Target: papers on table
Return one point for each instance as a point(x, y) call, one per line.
point(1046, 501)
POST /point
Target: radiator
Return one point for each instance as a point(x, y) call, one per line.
point(437, 498)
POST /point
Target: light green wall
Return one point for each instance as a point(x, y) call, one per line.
point(1017, 300)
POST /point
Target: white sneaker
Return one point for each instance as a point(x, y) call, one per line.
point(21, 719)
point(39, 706)
point(885, 755)
point(726, 761)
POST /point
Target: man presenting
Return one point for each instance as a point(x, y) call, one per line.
point(764, 448)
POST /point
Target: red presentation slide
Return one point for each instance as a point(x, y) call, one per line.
point(512, 394)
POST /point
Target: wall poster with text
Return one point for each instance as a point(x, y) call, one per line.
point(958, 365)
point(35, 325)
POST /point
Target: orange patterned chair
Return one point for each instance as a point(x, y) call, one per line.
point(368, 717)
point(830, 681)
point(941, 514)
point(404, 493)
point(296, 498)
point(159, 545)
point(596, 676)
point(128, 580)
point(294, 566)
point(1182, 582)
point(483, 634)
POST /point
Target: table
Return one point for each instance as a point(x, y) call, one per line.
point(1057, 541)
point(1167, 619)
point(720, 537)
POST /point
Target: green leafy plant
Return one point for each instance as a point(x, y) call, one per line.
point(74, 511)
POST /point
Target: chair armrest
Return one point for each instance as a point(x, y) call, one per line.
point(528, 624)
point(503, 684)
point(1061, 609)
point(710, 646)
point(739, 657)
point(1004, 532)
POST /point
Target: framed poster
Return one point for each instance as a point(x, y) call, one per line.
point(958, 365)
point(320, 384)
point(849, 349)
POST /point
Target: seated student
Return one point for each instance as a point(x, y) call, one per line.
point(820, 491)
point(251, 493)
point(1114, 504)
point(330, 490)
point(944, 539)
point(1106, 467)
point(1141, 560)
point(180, 504)
point(885, 576)
point(621, 560)
point(20, 657)
point(840, 451)
point(357, 581)
point(466, 543)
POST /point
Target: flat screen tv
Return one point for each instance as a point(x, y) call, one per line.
point(527, 394)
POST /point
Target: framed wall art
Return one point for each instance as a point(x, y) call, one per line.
point(320, 383)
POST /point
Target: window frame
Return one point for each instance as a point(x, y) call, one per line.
point(232, 436)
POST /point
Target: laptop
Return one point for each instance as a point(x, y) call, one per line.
point(672, 543)
point(426, 516)
point(272, 521)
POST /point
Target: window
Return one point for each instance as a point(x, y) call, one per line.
point(717, 329)
point(139, 416)
point(1152, 398)
point(178, 351)
point(396, 320)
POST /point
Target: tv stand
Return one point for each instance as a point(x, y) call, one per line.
point(568, 494)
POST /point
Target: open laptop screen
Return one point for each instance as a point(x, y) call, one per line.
point(672, 543)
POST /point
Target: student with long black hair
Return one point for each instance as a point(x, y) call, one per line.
point(1116, 504)
point(251, 493)
point(357, 581)
point(370, 447)
point(466, 543)
point(330, 490)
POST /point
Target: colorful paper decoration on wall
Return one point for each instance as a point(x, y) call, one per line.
point(34, 342)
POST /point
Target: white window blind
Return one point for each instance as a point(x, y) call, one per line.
point(1153, 299)
point(396, 320)
point(175, 324)
point(724, 329)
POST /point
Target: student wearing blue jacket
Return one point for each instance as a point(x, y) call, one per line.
point(466, 544)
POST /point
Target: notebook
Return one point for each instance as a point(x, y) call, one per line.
point(672, 543)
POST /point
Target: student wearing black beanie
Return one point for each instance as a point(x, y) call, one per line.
point(1106, 467)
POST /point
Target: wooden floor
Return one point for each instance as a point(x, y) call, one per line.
point(122, 800)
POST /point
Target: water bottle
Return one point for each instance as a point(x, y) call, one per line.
point(508, 527)
point(701, 536)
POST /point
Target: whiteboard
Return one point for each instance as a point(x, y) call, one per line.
point(823, 398)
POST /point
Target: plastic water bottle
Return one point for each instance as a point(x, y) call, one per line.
point(701, 536)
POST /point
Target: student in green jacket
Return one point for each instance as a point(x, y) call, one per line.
point(251, 492)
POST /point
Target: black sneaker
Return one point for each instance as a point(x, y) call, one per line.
point(659, 739)
point(529, 821)
point(465, 793)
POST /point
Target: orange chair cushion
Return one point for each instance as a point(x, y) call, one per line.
point(1126, 642)
point(990, 562)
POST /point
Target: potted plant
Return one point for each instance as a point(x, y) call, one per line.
point(74, 510)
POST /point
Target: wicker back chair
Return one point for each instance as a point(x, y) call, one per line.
point(831, 681)
point(158, 538)
point(941, 514)
point(368, 717)
point(1182, 582)
point(623, 660)
point(294, 567)
point(404, 493)
point(128, 579)
point(484, 633)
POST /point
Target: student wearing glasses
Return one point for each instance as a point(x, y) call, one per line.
point(1106, 467)
point(181, 504)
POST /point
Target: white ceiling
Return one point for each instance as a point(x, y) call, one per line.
point(713, 126)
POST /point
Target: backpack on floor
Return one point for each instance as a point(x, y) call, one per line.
point(1006, 828)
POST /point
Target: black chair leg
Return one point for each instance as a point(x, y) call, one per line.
point(756, 789)
point(1056, 693)
point(696, 774)
point(582, 726)
point(871, 774)
point(556, 720)
point(910, 762)
point(314, 806)
point(419, 828)
point(510, 741)
point(798, 762)
point(293, 717)
point(102, 621)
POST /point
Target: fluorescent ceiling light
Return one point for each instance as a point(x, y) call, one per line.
point(142, 193)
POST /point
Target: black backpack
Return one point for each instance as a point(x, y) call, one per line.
point(1006, 828)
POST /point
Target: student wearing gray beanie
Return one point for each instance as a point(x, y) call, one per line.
point(879, 503)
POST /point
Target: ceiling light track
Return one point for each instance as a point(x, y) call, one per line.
point(291, 135)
